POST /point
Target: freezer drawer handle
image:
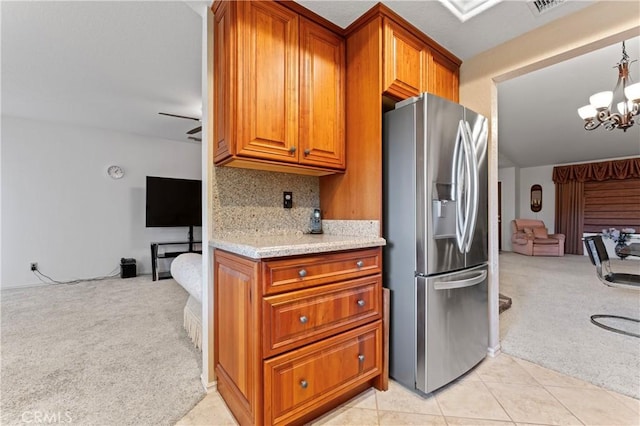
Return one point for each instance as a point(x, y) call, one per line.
point(302, 273)
point(361, 302)
point(448, 285)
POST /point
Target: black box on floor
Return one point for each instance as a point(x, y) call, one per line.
point(127, 268)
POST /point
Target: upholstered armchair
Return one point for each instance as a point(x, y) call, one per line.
point(530, 237)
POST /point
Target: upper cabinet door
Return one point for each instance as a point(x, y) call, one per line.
point(322, 100)
point(268, 82)
point(443, 77)
point(405, 60)
point(224, 48)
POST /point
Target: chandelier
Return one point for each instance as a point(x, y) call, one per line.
point(598, 112)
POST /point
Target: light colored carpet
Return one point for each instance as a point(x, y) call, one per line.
point(98, 353)
point(549, 320)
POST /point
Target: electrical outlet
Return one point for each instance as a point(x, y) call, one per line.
point(34, 266)
point(287, 199)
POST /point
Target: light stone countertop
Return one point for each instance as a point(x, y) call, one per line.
point(260, 246)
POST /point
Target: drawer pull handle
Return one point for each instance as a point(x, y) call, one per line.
point(292, 149)
point(303, 319)
point(361, 302)
point(307, 152)
point(361, 358)
point(359, 263)
point(302, 273)
point(303, 384)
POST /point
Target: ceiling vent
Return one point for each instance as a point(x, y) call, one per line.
point(538, 7)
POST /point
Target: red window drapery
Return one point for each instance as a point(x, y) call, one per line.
point(570, 203)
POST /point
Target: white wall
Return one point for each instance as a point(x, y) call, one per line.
point(542, 176)
point(60, 208)
point(515, 203)
point(516, 191)
point(507, 176)
point(589, 29)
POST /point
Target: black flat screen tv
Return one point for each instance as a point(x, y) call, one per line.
point(173, 202)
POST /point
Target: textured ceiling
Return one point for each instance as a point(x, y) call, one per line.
point(494, 26)
point(115, 65)
point(538, 123)
point(110, 65)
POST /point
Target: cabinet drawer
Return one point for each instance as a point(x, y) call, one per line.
point(298, 380)
point(281, 275)
point(304, 316)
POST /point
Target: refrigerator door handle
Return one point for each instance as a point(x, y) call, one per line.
point(465, 172)
point(457, 177)
point(479, 136)
point(472, 192)
point(469, 282)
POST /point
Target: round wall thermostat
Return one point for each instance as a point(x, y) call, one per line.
point(115, 172)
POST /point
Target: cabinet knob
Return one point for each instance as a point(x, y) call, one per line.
point(359, 263)
point(292, 149)
point(303, 319)
point(361, 358)
point(307, 152)
point(361, 302)
point(302, 273)
point(303, 384)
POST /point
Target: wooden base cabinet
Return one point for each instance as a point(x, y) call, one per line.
point(297, 381)
point(296, 336)
point(237, 340)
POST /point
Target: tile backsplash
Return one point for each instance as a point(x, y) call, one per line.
point(251, 200)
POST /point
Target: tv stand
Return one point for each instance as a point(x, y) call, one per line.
point(191, 242)
point(170, 250)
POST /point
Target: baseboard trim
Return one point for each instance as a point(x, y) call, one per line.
point(494, 351)
point(209, 386)
point(24, 286)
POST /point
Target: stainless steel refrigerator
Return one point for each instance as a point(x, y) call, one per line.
point(435, 224)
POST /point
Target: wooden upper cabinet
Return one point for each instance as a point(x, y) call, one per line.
point(269, 78)
point(443, 77)
point(388, 59)
point(279, 90)
point(223, 70)
point(412, 67)
point(322, 93)
point(405, 61)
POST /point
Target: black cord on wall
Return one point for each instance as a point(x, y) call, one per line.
point(114, 273)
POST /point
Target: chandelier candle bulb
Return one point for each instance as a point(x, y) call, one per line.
point(587, 112)
point(624, 107)
point(632, 92)
point(601, 100)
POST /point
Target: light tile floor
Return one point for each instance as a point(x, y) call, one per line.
point(500, 391)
